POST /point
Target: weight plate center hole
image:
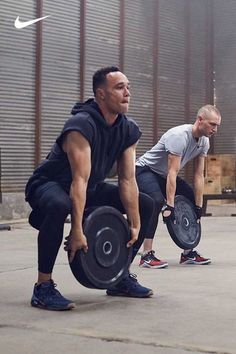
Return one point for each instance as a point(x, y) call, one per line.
point(186, 221)
point(107, 247)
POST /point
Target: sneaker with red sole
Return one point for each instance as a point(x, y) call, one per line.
point(193, 257)
point(148, 260)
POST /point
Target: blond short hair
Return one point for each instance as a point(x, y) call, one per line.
point(208, 108)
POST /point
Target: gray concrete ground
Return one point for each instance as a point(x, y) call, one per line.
point(193, 309)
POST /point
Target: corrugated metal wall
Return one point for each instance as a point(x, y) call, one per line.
point(171, 64)
point(198, 63)
point(17, 75)
point(225, 74)
point(198, 57)
point(60, 67)
point(162, 46)
point(102, 38)
point(138, 64)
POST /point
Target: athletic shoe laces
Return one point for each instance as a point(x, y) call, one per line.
point(151, 256)
point(49, 290)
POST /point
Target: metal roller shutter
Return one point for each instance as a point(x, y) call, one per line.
point(17, 94)
point(197, 93)
point(102, 38)
point(171, 66)
point(225, 74)
point(138, 66)
point(60, 67)
point(197, 87)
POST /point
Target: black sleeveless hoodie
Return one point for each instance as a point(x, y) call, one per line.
point(107, 143)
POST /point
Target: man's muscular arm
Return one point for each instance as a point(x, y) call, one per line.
point(79, 155)
point(129, 191)
point(173, 170)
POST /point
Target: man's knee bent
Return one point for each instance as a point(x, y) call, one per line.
point(59, 205)
point(146, 204)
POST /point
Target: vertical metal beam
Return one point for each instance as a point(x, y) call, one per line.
point(155, 69)
point(2, 226)
point(122, 35)
point(38, 83)
point(0, 177)
point(82, 46)
point(209, 60)
point(187, 60)
point(188, 171)
point(209, 49)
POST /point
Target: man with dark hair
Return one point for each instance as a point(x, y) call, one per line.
point(71, 179)
point(100, 77)
point(157, 175)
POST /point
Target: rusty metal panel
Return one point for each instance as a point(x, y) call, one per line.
point(225, 74)
point(16, 94)
point(60, 67)
point(102, 38)
point(138, 65)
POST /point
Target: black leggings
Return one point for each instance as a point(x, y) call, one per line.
point(51, 205)
point(154, 185)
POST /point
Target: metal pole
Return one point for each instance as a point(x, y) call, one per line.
point(2, 226)
point(0, 179)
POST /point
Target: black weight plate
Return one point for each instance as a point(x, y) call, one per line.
point(108, 257)
point(186, 233)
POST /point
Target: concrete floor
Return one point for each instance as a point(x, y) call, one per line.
point(193, 309)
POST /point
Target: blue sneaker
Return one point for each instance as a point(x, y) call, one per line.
point(130, 287)
point(45, 296)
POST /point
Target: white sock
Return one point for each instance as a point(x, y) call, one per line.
point(145, 252)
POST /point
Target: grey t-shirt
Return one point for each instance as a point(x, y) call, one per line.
point(177, 141)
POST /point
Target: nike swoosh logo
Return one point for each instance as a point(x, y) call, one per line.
point(20, 24)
